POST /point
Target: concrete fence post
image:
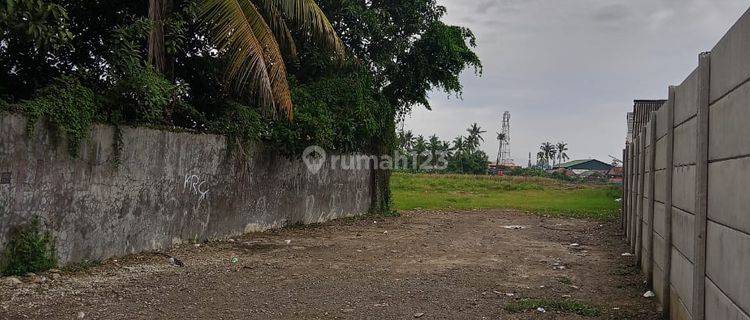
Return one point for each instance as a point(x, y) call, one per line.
point(701, 188)
point(641, 194)
point(624, 203)
point(629, 204)
point(633, 175)
point(636, 191)
point(669, 175)
point(626, 188)
point(651, 202)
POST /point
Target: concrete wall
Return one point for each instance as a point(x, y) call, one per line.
point(169, 187)
point(700, 245)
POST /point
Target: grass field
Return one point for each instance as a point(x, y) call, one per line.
point(538, 195)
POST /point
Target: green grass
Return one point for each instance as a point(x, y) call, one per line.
point(571, 306)
point(539, 195)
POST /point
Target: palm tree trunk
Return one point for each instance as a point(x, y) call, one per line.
point(157, 10)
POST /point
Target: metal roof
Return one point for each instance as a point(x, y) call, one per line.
point(574, 163)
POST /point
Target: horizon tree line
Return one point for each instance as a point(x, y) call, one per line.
point(552, 154)
point(461, 155)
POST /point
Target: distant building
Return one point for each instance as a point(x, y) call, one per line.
point(639, 117)
point(615, 175)
point(582, 166)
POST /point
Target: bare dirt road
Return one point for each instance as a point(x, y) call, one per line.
point(436, 265)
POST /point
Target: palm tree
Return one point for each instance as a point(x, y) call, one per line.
point(475, 136)
point(561, 155)
point(420, 146)
point(252, 35)
point(540, 158)
point(501, 137)
point(548, 152)
point(459, 148)
point(446, 148)
point(406, 140)
point(434, 146)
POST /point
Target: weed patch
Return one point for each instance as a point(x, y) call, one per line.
point(570, 306)
point(82, 266)
point(29, 249)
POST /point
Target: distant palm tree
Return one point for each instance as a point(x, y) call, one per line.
point(459, 149)
point(406, 140)
point(459, 144)
point(420, 147)
point(561, 155)
point(541, 159)
point(501, 137)
point(434, 146)
point(475, 139)
point(548, 151)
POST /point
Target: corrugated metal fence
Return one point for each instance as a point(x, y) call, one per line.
point(686, 213)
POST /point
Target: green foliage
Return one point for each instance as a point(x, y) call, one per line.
point(536, 172)
point(117, 147)
point(138, 93)
point(572, 306)
point(406, 46)
point(68, 106)
point(29, 249)
point(461, 156)
point(338, 113)
point(142, 95)
point(32, 34)
point(246, 124)
point(43, 23)
point(399, 50)
point(435, 61)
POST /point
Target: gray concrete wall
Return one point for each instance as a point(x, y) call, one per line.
point(701, 220)
point(169, 188)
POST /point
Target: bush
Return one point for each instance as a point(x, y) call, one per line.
point(29, 249)
point(239, 123)
point(142, 95)
point(70, 107)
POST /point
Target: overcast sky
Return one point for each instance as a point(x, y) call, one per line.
point(569, 70)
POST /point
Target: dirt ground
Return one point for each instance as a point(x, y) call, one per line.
point(429, 265)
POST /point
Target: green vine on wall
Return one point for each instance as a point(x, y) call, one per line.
point(68, 106)
point(117, 147)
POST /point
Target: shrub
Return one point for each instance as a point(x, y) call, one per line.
point(29, 249)
point(70, 107)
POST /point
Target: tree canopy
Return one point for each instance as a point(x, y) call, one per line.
point(89, 59)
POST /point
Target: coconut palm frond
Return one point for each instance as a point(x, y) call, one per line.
point(239, 29)
point(307, 14)
point(277, 23)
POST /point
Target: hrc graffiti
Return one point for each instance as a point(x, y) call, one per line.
point(194, 184)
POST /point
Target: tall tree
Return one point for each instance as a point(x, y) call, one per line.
point(475, 139)
point(434, 146)
point(548, 151)
point(157, 53)
point(459, 151)
point(406, 140)
point(501, 137)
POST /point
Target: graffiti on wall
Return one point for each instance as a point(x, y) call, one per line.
point(196, 186)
